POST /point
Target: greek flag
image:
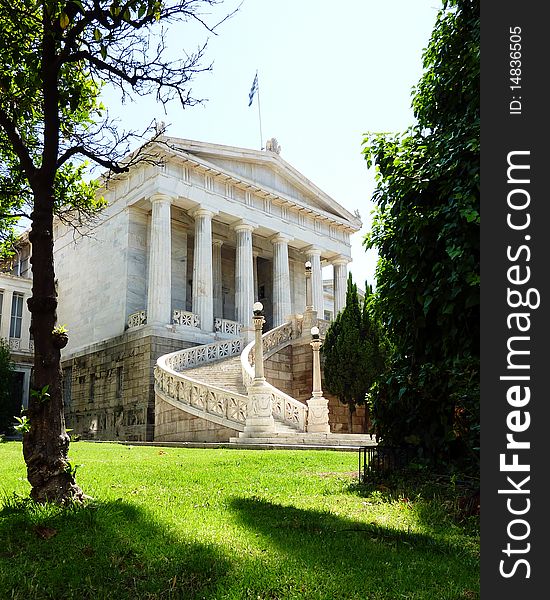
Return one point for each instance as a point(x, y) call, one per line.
point(253, 90)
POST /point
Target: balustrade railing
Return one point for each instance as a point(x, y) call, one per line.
point(15, 343)
point(323, 327)
point(183, 317)
point(199, 355)
point(224, 407)
point(227, 326)
point(136, 319)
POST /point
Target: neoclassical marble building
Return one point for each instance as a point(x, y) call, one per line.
point(180, 254)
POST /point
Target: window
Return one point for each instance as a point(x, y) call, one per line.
point(328, 315)
point(16, 315)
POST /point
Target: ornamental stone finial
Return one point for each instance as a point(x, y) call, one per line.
point(273, 146)
point(160, 127)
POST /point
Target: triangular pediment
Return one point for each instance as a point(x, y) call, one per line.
point(264, 169)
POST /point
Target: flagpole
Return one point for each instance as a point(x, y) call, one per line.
point(260, 115)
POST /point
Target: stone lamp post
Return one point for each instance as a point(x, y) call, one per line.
point(258, 319)
point(309, 295)
point(310, 316)
point(317, 414)
point(259, 418)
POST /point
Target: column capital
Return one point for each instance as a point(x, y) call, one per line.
point(340, 260)
point(161, 198)
point(202, 212)
point(313, 251)
point(217, 242)
point(243, 226)
point(279, 238)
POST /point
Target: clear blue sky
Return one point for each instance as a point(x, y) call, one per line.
point(328, 72)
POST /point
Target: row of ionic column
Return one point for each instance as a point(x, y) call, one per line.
point(207, 271)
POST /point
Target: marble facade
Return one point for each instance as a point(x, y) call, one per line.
point(183, 249)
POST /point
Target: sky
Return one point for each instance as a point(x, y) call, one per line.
point(328, 73)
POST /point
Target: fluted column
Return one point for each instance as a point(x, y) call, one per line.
point(159, 300)
point(244, 275)
point(281, 280)
point(203, 293)
point(255, 274)
point(217, 278)
point(314, 257)
point(340, 266)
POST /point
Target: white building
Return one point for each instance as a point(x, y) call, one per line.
point(15, 290)
point(176, 262)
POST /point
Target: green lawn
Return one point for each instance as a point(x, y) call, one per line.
point(232, 524)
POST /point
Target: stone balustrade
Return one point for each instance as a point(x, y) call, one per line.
point(323, 327)
point(199, 355)
point(183, 317)
point(198, 398)
point(136, 319)
point(227, 326)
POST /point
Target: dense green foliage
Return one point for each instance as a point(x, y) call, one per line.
point(185, 524)
point(426, 230)
point(352, 351)
point(6, 370)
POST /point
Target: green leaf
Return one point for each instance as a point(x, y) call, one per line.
point(64, 20)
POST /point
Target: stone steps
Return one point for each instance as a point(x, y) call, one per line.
point(307, 439)
point(225, 374)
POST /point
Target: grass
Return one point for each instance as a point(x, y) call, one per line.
point(169, 523)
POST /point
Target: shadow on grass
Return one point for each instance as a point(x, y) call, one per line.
point(437, 502)
point(104, 550)
point(279, 521)
point(367, 556)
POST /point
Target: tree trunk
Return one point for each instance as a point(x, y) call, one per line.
point(351, 410)
point(46, 444)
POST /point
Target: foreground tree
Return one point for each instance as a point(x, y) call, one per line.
point(352, 351)
point(54, 57)
point(426, 230)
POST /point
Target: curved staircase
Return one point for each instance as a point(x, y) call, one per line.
point(210, 382)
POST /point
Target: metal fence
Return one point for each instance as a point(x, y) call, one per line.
point(377, 460)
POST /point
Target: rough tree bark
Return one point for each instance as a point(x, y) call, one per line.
point(46, 445)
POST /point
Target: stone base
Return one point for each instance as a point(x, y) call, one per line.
point(260, 418)
point(317, 415)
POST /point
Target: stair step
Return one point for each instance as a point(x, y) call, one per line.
point(309, 439)
point(226, 374)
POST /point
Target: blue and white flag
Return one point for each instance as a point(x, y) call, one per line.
point(253, 89)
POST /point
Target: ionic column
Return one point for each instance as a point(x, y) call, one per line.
point(159, 296)
point(244, 275)
point(217, 277)
point(281, 280)
point(340, 266)
point(203, 293)
point(314, 257)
